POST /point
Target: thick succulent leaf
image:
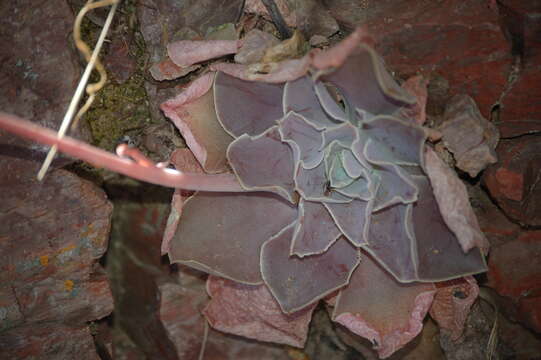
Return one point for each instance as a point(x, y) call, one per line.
point(353, 167)
point(185, 161)
point(413, 243)
point(338, 175)
point(264, 162)
point(375, 306)
point(313, 185)
point(395, 187)
point(222, 233)
point(328, 104)
point(362, 188)
point(299, 96)
point(344, 134)
point(394, 141)
point(246, 107)
point(192, 112)
point(353, 219)
point(304, 137)
point(439, 257)
point(365, 84)
point(315, 230)
point(392, 243)
point(357, 149)
point(188, 52)
point(253, 312)
point(454, 203)
point(298, 282)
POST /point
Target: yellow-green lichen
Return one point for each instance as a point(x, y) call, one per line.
point(119, 109)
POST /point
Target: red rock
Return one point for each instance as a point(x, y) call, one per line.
point(520, 112)
point(520, 22)
point(10, 314)
point(66, 300)
point(514, 272)
point(52, 234)
point(180, 314)
point(138, 224)
point(48, 341)
point(530, 310)
point(494, 224)
point(460, 40)
point(514, 266)
point(39, 69)
point(118, 60)
point(514, 182)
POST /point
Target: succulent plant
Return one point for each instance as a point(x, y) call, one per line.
point(316, 185)
point(335, 191)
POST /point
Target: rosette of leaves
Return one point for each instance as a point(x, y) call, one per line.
point(331, 174)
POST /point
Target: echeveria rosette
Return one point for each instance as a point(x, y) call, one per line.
point(332, 175)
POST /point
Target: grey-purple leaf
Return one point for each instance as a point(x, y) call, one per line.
point(365, 84)
point(394, 141)
point(414, 244)
point(308, 140)
point(440, 257)
point(192, 112)
point(345, 134)
point(296, 282)
point(299, 97)
point(338, 176)
point(391, 243)
point(313, 185)
point(246, 107)
point(264, 162)
point(233, 226)
point(331, 107)
point(315, 230)
point(395, 186)
point(353, 219)
point(362, 188)
point(352, 165)
point(376, 307)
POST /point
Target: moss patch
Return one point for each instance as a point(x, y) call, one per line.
point(119, 110)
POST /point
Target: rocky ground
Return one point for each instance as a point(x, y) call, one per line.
point(63, 264)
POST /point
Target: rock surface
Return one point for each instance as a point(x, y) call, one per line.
point(460, 40)
point(514, 182)
point(48, 341)
point(39, 69)
point(51, 286)
point(515, 273)
point(469, 136)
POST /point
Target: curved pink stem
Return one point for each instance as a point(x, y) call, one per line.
point(141, 169)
